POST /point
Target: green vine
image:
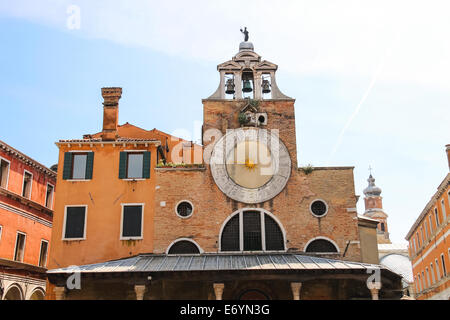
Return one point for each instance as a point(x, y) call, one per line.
point(243, 119)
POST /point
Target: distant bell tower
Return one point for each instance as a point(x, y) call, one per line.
point(374, 210)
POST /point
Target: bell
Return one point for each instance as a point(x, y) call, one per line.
point(229, 86)
point(247, 86)
point(265, 86)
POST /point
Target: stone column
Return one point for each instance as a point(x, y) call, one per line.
point(60, 293)
point(140, 290)
point(238, 85)
point(374, 288)
point(257, 82)
point(295, 287)
point(218, 290)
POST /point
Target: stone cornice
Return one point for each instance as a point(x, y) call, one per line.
point(440, 190)
point(26, 159)
point(29, 203)
point(21, 266)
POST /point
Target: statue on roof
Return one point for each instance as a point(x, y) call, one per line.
point(245, 32)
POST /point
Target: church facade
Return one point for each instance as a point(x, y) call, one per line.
point(234, 218)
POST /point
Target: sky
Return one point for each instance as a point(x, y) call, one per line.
point(370, 78)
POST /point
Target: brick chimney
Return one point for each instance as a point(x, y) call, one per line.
point(111, 98)
point(447, 147)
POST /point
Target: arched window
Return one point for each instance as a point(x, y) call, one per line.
point(321, 246)
point(251, 231)
point(183, 247)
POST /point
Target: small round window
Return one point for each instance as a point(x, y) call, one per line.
point(318, 208)
point(184, 209)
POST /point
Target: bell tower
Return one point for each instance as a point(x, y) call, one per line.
point(374, 209)
point(247, 76)
point(256, 123)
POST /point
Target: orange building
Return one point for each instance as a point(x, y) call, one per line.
point(429, 245)
point(27, 190)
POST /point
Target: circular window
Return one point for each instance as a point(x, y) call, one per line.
point(318, 208)
point(184, 209)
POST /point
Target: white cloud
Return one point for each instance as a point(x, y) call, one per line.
point(345, 38)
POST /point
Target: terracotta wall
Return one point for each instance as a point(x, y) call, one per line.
point(20, 214)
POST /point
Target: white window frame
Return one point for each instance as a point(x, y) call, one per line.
point(438, 271)
point(46, 256)
point(323, 238)
point(444, 213)
point(71, 173)
point(9, 169)
point(432, 273)
point(23, 184)
point(53, 196)
point(326, 206)
point(142, 221)
point(24, 245)
point(185, 239)
point(423, 235)
point(424, 280)
point(187, 217)
point(65, 220)
point(419, 282)
point(428, 276)
point(430, 219)
point(135, 151)
point(241, 231)
point(436, 217)
point(444, 267)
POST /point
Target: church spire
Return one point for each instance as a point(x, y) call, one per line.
point(374, 209)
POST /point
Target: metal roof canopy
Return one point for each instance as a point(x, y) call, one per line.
point(220, 266)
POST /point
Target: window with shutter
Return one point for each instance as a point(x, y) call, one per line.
point(75, 223)
point(134, 165)
point(4, 173)
point(78, 165)
point(20, 247)
point(131, 222)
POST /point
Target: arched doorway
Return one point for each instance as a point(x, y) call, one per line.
point(38, 294)
point(13, 293)
point(253, 294)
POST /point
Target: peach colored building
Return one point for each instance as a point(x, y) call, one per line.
point(429, 245)
point(27, 190)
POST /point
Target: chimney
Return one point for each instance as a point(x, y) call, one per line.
point(111, 98)
point(447, 147)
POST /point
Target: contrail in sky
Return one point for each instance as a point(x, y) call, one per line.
point(358, 107)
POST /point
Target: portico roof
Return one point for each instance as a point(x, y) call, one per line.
point(218, 262)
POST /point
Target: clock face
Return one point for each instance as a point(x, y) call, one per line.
point(250, 165)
